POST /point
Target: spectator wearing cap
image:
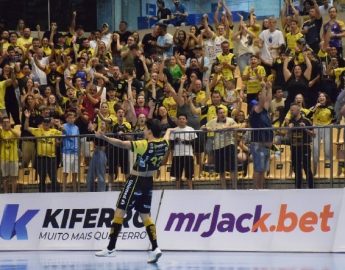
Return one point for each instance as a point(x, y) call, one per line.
point(179, 14)
point(106, 36)
point(165, 42)
point(312, 27)
point(46, 151)
point(271, 40)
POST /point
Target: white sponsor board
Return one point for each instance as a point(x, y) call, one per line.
point(67, 221)
point(267, 220)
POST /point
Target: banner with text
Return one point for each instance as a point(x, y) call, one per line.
point(267, 220)
point(68, 221)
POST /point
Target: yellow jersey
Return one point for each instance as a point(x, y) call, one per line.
point(2, 94)
point(323, 116)
point(8, 145)
point(291, 40)
point(46, 145)
point(253, 84)
point(111, 104)
point(149, 154)
point(23, 42)
point(229, 59)
point(170, 104)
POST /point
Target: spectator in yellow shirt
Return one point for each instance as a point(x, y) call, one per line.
point(252, 76)
point(227, 60)
point(293, 36)
point(9, 155)
point(46, 147)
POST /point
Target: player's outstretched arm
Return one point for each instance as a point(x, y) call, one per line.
point(113, 141)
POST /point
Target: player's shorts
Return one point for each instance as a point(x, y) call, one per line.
point(137, 194)
point(70, 163)
point(9, 168)
point(225, 159)
point(180, 163)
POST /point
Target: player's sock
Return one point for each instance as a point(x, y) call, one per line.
point(114, 232)
point(151, 232)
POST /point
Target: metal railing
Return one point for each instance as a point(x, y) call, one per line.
point(196, 159)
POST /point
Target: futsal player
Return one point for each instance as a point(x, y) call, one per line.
point(137, 192)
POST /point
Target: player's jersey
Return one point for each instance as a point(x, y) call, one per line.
point(149, 154)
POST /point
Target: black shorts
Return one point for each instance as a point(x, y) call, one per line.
point(137, 194)
point(180, 163)
point(225, 158)
point(118, 157)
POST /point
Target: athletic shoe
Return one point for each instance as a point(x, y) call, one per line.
point(106, 253)
point(154, 255)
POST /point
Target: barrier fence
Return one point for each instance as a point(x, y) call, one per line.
point(298, 157)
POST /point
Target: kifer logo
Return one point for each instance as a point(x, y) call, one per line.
point(10, 226)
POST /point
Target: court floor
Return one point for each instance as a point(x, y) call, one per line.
point(171, 260)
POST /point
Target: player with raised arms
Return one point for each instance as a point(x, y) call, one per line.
point(137, 192)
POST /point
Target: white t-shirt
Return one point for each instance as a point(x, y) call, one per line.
point(210, 50)
point(324, 11)
point(183, 141)
point(165, 40)
point(270, 39)
point(106, 39)
point(39, 74)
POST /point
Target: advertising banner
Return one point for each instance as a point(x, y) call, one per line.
point(67, 221)
point(207, 220)
point(265, 220)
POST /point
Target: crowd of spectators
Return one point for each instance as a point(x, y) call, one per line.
point(210, 77)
